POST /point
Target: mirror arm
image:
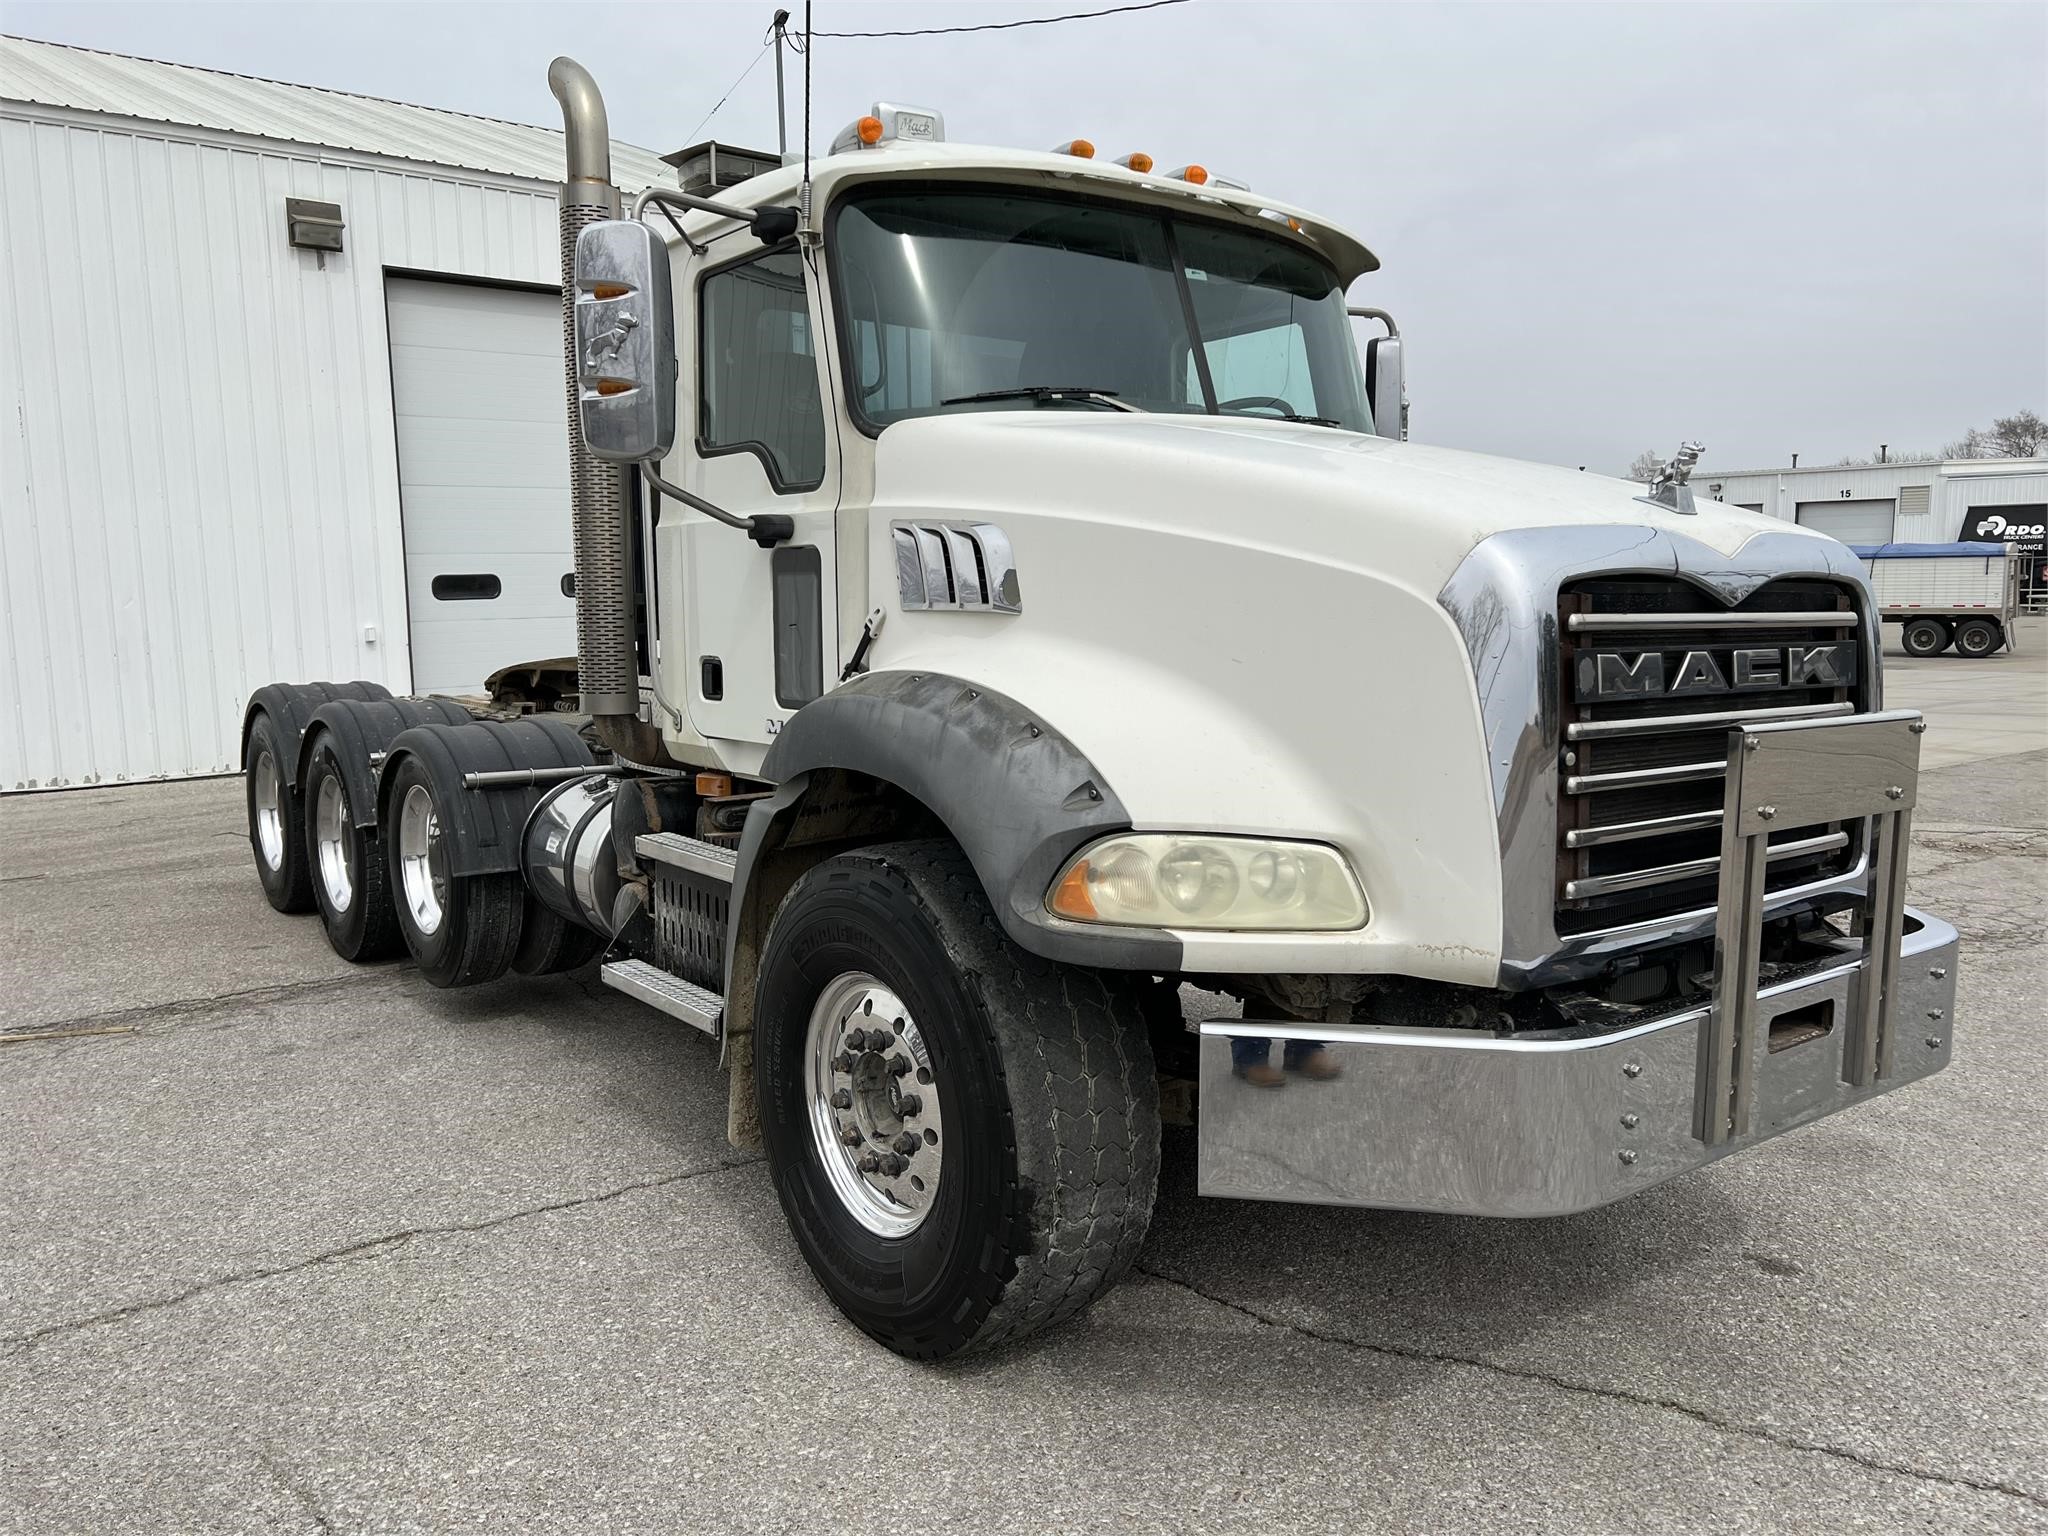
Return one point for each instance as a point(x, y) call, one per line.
point(682, 234)
point(766, 529)
point(1361, 312)
point(773, 224)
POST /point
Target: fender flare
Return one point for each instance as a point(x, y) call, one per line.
point(362, 727)
point(1018, 797)
point(291, 707)
point(482, 826)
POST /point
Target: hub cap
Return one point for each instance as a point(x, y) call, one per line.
point(422, 867)
point(875, 1111)
point(331, 836)
point(269, 815)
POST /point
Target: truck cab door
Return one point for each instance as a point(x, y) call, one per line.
point(759, 626)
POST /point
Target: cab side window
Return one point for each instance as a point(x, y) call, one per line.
point(758, 370)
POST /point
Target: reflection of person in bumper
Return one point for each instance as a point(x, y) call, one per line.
point(1250, 1059)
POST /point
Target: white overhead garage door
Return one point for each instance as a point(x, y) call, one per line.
point(1853, 522)
point(483, 478)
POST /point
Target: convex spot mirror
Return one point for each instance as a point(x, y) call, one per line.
point(625, 342)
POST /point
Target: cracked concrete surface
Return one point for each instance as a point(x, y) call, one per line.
point(291, 1246)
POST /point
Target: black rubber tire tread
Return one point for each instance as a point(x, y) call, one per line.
point(368, 930)
point(288, 888)
point(1978, 638)
point(481, 920)
point(1078, 1098)
point(1922, 627)
point(550, 943)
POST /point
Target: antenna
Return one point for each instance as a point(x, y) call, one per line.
point(803, 196)
point(780, 27)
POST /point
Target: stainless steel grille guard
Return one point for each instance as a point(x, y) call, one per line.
point(1784, 775)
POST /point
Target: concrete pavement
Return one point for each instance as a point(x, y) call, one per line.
point(289, 1245)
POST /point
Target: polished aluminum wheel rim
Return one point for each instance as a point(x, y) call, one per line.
point(420, 864)
point(331, 839)
point(269, 812)
point(874, 1107)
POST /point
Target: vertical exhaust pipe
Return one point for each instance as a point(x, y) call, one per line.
point(607, 668)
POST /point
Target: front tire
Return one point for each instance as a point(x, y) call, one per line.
point(1016, 1185)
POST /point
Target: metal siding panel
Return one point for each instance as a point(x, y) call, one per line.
point(200, 493)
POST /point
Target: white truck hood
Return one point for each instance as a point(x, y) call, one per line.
point(1239, 623)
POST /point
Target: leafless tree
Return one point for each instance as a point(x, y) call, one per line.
point(2018, 436)
point(1646, 465)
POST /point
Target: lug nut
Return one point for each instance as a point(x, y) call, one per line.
point(869, 1163)
point(842, 1062)
point(893, 1165)
point(842, 1098)
point(898, 1065)
point(910, 1106)
point(850, 1135)
point(856, 1039)
point(908, 1143)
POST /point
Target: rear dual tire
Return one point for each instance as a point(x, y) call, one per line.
point(346, 864)
point(1924, 637)
point(461, 929)
point(1978, 637)
point(885, 974)
point(277, 827)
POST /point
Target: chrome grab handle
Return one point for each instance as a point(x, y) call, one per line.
point(1798, 773)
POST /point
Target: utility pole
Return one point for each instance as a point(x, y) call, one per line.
point(781, 29)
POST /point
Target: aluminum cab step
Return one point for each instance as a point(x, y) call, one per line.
point(679, 999)
point(689, 854)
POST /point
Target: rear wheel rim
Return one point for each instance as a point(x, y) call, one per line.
point(421, 867)
point(269, 812)
point(875, 1109)
point(331, 839)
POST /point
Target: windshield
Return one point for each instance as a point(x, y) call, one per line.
point(974, 300)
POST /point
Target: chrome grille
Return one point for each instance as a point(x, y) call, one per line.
point(1641, 776)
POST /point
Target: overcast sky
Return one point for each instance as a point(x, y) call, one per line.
point(1779, 228)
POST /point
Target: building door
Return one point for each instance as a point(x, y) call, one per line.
point(1853, 522)
point(483, 478)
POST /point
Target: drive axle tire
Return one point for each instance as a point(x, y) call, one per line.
point(964, 1136)
point(350, 884)
point(277, 831)
point(462, 929)
point(1925, 637)
point(1978, 637)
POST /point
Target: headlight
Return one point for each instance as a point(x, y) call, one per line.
point(1162, 880)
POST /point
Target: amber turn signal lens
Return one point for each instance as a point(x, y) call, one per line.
point(869, 129)
point(1071, 899)
point(613, 386)
point(714, 786)
point(609, 290)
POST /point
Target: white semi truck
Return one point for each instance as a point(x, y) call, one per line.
point(1004, 594)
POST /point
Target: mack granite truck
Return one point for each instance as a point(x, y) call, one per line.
point(1005, 596)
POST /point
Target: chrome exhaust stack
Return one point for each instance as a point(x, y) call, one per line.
point(607, 666)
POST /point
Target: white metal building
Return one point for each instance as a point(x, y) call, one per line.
point(234, 460)
point(2000, 501)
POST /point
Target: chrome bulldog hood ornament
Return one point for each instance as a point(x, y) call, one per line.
point(1669, 490)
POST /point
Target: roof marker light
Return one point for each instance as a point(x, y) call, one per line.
point(1080, 149)
point(868, 130)
point(1193, 175)
point(1137, 160)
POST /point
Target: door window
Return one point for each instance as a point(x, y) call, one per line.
point(759, 374)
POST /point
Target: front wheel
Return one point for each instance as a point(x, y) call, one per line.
point(964, 1137)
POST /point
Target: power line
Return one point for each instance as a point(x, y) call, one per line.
point(728, 92)
point(1004, 26)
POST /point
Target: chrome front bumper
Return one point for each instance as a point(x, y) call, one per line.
point(1486, 1125)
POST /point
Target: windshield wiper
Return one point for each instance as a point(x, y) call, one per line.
point(1106, 397)
point(1314, 421)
